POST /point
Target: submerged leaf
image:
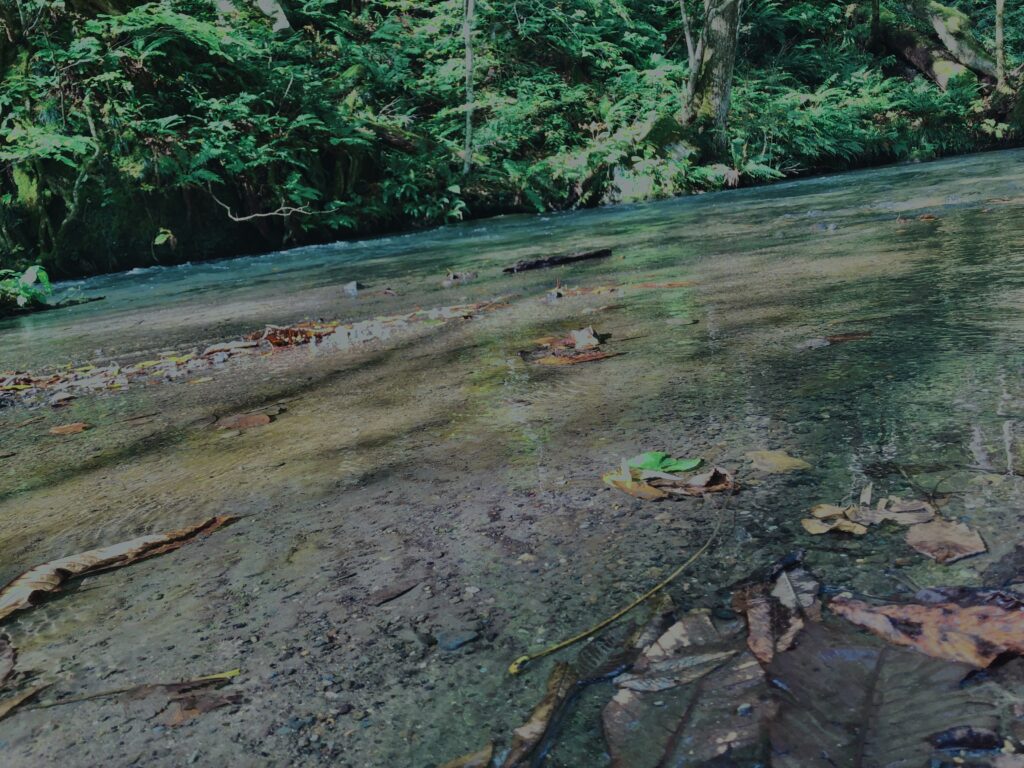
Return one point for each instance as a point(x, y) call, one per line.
point(845, 701)
point(816, 527)
point(694, 694)
point(479, 759)
point(715, 480)
point(945, 541)
point(572, 358)
point(243, 421)
point(776, 461)
point(69, 429)
point(28, 588)
point(527, 736)
point(777, 609)
point(973, 627)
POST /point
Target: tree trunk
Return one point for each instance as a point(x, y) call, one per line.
point(467, 36)
point(713, 85)
point(1000, 47)
point(954, 30)
point(926, 56)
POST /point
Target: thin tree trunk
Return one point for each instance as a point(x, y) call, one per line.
point(469, 10)
point(691, 52)
point(1000, 47)
point(876, 25)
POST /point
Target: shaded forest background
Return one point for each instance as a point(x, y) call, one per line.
point(141, 133)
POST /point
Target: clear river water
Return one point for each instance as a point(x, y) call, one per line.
point(869, 324)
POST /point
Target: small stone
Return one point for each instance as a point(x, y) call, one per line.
point(744, 710)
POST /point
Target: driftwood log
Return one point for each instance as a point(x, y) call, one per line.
point(557, 261)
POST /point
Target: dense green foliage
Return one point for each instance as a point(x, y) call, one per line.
point(139, 132)
point(23, 290)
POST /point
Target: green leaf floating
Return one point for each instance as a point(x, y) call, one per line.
point(659, 461)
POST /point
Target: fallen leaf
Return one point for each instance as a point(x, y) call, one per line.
point(571, 357)
point(865, 494)
point(715, 480)
point(28, 588)
point(817, 527)
point(694, 693)
point(970, 626)
point(638, 488)
point(291, 335)
point(527, 736)
point(945, 541)
point(8, 658)
point(825, 511)
point(230, 346)
point(777, 608)
point(243, 421)
point(844, 701)
point(11, 703)
point(776, 461)
point(585, 338)
point(479, 759)
point(896, 511)
point(662, 462)
point(186, 705)
point(69, 429)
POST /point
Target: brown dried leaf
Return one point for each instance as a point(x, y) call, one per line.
point(777, 610)
point(637, 488)
point(527, 736)
point(26, 590)
point(714, 480)
point(479, 759)
point(243, 421)
point(69, 429)
point(817, 527)
point(776, 461)
point(975, 629)
point(186, 706)
point(945, 541)
point(825, 511)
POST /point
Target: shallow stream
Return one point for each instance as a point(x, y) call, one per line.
point(444, 460)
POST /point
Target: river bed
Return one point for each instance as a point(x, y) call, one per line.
point(443, 463)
